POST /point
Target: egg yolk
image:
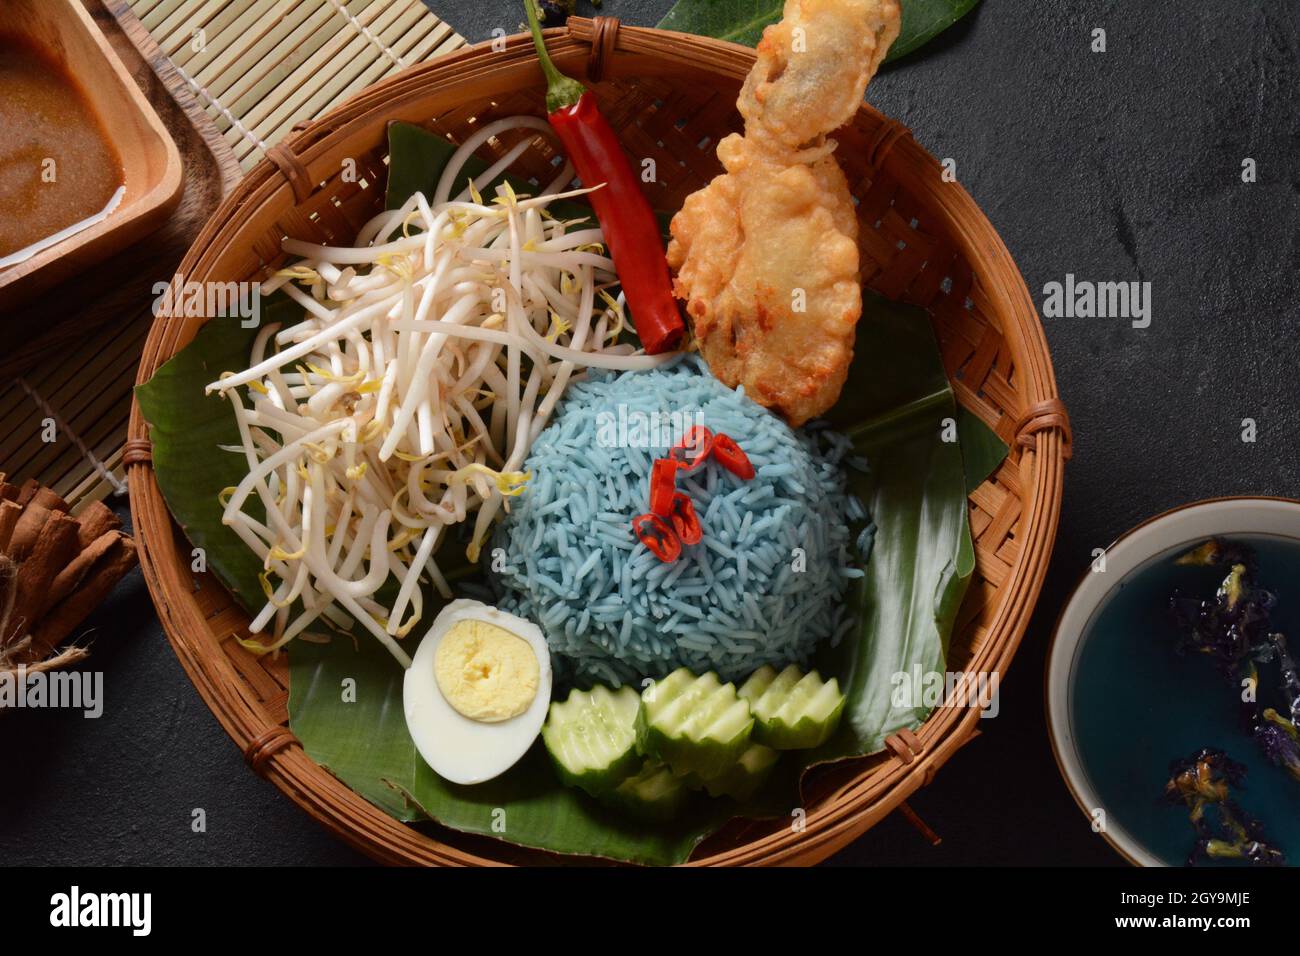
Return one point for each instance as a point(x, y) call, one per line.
point(485, 672)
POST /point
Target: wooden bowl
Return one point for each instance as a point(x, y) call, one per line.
point(151, 165)
point(671, 97)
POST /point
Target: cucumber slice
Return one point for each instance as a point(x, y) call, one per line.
point(793, 710)
point(745, 776)
point(591, 738)
point(693, 724)
point(652, 793)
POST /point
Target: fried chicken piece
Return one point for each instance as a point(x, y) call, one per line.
point(813, 69)
point(770, 255)
point(766, 255)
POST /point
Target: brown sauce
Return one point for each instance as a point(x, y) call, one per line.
point(57, 165)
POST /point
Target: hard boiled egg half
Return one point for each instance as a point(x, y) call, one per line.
point(477, 691)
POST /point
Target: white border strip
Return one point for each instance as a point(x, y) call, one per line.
point(25, 253)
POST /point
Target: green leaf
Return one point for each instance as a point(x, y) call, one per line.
point(366, 744)
point(893, 407)
point(923, 20)
point(417, 157)
point(742, 21)
point(187, 427)
point(981, 448)
point(922, 560)
point(739, 21)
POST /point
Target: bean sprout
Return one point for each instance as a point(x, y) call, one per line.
point(429, 357)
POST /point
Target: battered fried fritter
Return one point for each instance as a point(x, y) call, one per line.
point(766, 254)
point(754, 248)
point(813, 69)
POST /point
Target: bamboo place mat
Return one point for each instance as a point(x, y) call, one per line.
point(256, 67)
point(259, 66)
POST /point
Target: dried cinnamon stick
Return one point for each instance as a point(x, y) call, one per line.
point(10, 511)
point(60, 621)
point(28, 491)
point(70, 578)
point(95, 520)
point(55, 548)
point(36, 512)
point(54, 570)
point(48, 499)
point(27, 530)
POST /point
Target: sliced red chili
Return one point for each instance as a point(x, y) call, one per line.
point(693, 450)
point(663, 485)
point(732, 457)
point(685, 522)
point(654, 533)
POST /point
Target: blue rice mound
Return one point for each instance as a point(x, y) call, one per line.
point(743, 597)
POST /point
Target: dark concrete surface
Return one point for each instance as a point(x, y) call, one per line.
point(1123, 165)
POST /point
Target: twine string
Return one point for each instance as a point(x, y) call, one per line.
point(365, 32)
point(119, 487)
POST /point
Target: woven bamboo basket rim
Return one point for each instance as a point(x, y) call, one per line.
point(993, 345)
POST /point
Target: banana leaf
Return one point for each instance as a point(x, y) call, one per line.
point(187, 427)
point(416, 161)
point(981, 448)
point(742, 21)
point(365, 743)
point(345, 696)
point(894, 407)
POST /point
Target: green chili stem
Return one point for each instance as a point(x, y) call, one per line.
point(561, 91)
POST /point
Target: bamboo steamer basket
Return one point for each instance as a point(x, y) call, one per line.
point(671, 97)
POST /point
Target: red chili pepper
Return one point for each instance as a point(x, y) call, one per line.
point(628, 222)
point(693, 450)
point(663, 485)
point(732, 457)
point(685, 522)
point(654, 533)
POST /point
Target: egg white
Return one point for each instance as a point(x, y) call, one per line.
point(457, 748)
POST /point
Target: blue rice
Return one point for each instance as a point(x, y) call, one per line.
point(743, 597)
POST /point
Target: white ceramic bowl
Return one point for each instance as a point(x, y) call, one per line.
point(1169, 532)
